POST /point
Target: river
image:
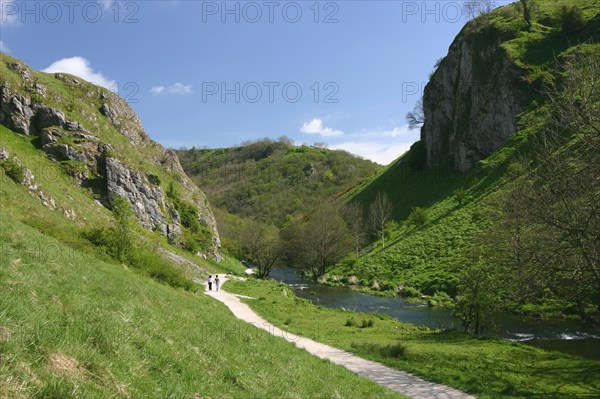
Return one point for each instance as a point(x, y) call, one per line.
point(562, 335)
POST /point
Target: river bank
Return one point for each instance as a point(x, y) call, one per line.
point(583, 338)
point(486, 367)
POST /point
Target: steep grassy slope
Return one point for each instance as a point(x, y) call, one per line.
point(426, 257)
point(73, 326)
point(270, 180)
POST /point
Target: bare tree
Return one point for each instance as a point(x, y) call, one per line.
point(354, 216)
point(416, 117)
point(321, 241)
point(474, 8)
point(261, 247)
point(380, 212)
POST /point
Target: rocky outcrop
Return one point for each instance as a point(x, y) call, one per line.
point(148, 200)
point(472, 100)
point(87, 156)
point(123, 118)
point(15, 110)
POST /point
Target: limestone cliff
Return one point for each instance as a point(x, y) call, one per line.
point(472, 100)
point(102, 145)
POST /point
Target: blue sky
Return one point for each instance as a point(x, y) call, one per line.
point(204, 73)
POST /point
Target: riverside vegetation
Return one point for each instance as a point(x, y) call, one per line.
point(485, 367)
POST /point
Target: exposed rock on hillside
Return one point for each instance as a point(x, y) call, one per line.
point(79, 138)
point(472, 100)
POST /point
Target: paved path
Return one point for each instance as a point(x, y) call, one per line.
point(400, 381)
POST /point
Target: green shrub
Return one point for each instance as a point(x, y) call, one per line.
point(74, 167)
point(571, 19)
point(367, 323)
point(120, 243)
point(14, 170)
point(459, 195)
point(417, 217)
point(395, 351)
point(350, 322)
point(159, 268)
point(194, 242)
point(409, 292)
point(154, 179)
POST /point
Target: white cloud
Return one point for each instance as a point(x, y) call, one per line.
point(395, 132)
point(315, 126)
point(377, 151)
point(80, 67)
point(379, 145)
point(177, 88)
point(3, 47)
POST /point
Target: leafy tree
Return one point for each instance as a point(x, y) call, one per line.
point(380, 212)
point(478, 296)
point(547, 234)
point(123, 232)
point(571, 19)
point(528, 9)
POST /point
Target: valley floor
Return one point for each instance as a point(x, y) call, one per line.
point(398, 381)
point(484, 367)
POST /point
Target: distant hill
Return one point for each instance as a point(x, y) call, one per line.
point(271, 181)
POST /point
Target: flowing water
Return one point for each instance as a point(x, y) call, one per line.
point(562, 335)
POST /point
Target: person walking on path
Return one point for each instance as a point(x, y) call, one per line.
point(210, 281)
point(217, 282)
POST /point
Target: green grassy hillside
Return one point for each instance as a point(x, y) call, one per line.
point(74, 326)
point(273, 181)
point(427, 257)
point(66, 130)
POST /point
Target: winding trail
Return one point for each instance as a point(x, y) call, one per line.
point(399, 381)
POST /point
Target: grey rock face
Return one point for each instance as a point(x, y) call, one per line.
point(471, 103)
point(147, 200)
point(15, 110)
point(123, 118)
point(46, 116)
point(67, 140)
point(18, 114)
